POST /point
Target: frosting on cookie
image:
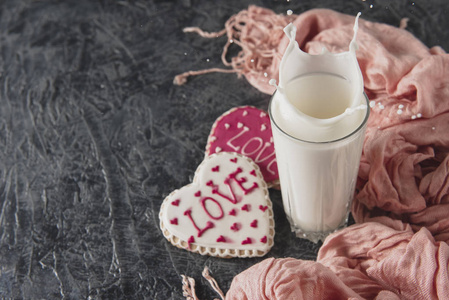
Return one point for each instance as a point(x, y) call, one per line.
point(246, 130)
point(225, 211)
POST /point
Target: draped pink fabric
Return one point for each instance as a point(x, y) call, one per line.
point(365, 261)
point(398, 249)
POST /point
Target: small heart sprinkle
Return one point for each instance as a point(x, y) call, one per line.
point(247, 241)
point(253, 224)
point(221, 239)
point(245, 207)
point(233, 212)
point(174, 221)
point(175, 202)
point(235, 227)
point(216, 169)
point(264, 239)
point(263, 208)
point(198, 194)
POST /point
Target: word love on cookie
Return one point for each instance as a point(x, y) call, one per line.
point(226, 211)
point(246, 130)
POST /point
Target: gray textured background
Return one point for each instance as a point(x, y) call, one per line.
point(94, 135)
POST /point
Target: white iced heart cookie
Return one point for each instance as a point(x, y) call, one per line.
point(226, 211)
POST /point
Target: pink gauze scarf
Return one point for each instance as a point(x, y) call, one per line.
point(399, 248)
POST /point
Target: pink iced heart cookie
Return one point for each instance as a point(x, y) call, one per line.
point(246, 130)
point(226, 211)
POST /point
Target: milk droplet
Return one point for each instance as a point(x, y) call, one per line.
point(371, 6)
point(381, 107)
point(207, 59)
point(413, 117)
point(401, 106)
point(419, 115)
point(399, 112)
point(433, 128)
point(289, 12)
point(265, 74)
point(231, 41)
point(351, 110)
point(372, 103)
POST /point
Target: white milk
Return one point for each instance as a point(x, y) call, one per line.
point(318, 114)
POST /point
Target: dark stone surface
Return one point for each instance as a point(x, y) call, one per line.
point(94, 135)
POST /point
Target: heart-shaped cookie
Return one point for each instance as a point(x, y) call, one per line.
point(226, 211)
point(246, 130)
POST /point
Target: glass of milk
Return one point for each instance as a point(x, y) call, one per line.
point(318, 114)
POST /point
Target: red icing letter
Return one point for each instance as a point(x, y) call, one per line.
point(209, 224)
point(203, 203)
point(242, 180)
point(239, 182)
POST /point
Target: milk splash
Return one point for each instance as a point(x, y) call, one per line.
point(328, 83)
